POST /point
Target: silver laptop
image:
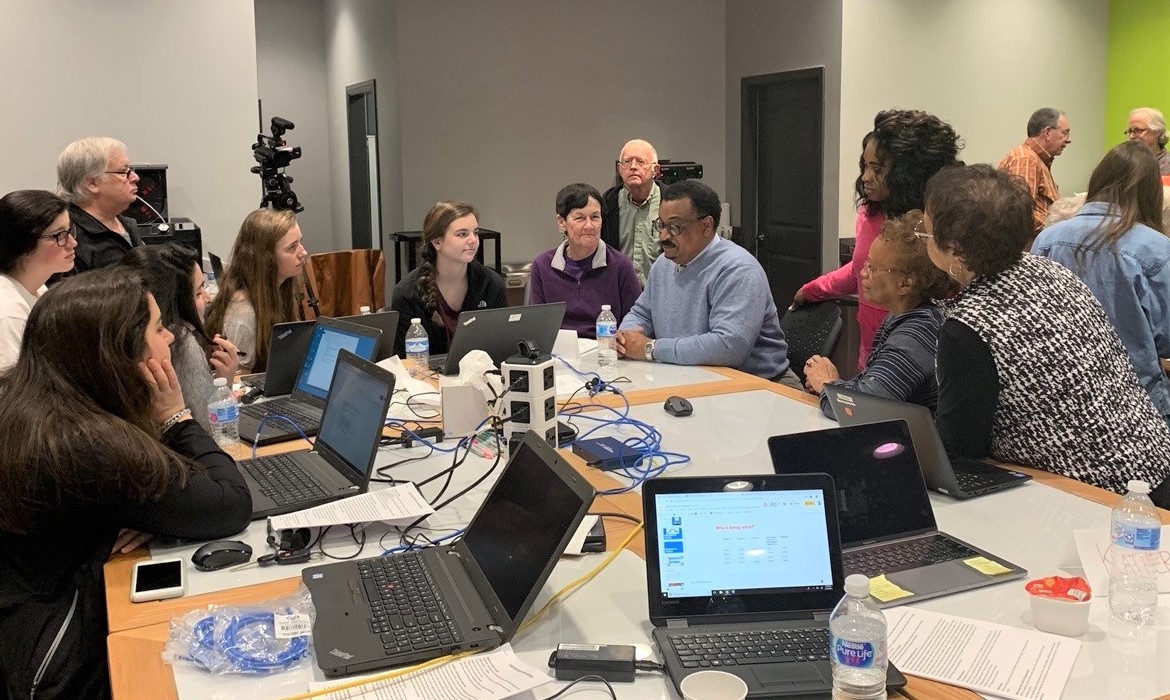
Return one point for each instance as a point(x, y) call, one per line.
point(339, 463)
point(957, 477)
point(498, 332)
point(887, 523)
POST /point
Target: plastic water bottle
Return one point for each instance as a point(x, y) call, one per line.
point(857, 648)
point(364, 311)
point(418, 350)
point(212, 286)
point(1135, 530)
point(606, 338)
point(223, 415)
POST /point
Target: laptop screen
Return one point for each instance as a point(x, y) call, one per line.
point(351, 425)
point(321, 359)
point(880, 492)
point(512, 554)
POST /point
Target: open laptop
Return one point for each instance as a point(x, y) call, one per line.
point(498, 332)
point(480, 588)
point(957, 477)
point(385, 321)
point(216, 265)
point(304, 405)
point(749, 567)
point(887, 523)
point(343, 454)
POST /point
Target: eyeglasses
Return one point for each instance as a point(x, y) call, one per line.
point(675, 228)
point(633, 162)
point(922, 235)
point(124, 173)
point(1135, 131)
point(869, 269)
point(62, 237)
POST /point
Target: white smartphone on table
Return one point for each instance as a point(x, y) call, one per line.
point(157, 579)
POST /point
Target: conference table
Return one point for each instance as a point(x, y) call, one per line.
point(734, 414)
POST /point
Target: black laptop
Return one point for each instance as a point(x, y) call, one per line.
point(742, 573)
point(216, 266)
point(343, 454)
point(470, 595)
point(498, 332)
point(957, 477)
point(887, 523)
point(303, 407)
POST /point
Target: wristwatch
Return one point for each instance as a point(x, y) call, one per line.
point(650, 349)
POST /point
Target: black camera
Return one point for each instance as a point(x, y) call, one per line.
point(273, 154)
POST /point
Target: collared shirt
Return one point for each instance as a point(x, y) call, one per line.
point(638, 239)
point(1034, 165)
point(15, 305)
point(1164, 161)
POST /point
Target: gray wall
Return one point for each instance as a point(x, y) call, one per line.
point(772, 36)
point(503, 102)
point(174, 79)
point(290, 70)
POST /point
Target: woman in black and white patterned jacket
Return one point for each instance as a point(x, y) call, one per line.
point(1030, 369)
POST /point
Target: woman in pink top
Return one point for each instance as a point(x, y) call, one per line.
point(904, 149)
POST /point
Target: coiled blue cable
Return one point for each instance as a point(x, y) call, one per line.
point(209, 653)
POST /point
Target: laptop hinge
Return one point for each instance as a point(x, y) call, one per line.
point(676, 624)
point(821, 616)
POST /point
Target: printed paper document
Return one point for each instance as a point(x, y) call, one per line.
point(395, 504)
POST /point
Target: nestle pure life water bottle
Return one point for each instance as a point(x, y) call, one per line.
point(418, 350)
point(1135, 532)
point(857, 646)
point(606, 338)
point(223, 415)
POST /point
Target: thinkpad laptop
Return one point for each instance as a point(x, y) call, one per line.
point(956, 477)
point(887, 523)
point(304, 406)
point(742, 574)
point(498, 332)
point(339, 463)
point(473, 594)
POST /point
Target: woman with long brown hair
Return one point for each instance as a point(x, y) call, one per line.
point(449, 280)
point(97, 448)
point(261, 286)
point(1116, 246)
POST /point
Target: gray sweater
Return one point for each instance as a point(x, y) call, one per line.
point(194, 374)
point(718, 310)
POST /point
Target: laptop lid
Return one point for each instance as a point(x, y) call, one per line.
point(498, 332)
point(519, 533)
point(385, 321)
point(330, 336)
point(741, 549)
point(216, 265)
point(880, 492)
point(286, 354)
point(354, 415)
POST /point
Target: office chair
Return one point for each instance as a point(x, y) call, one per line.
point(812, 329)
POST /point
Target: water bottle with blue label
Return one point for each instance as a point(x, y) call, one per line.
point(857, 646)
point(223, 415)
point(418, 350)
point(606, 338)
point(1135, 533)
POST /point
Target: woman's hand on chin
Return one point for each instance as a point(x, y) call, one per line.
point(166, 394)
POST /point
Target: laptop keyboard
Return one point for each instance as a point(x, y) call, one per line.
point(900, 556)
point(406, 609)
point(747, 648)
point(286, 408)
point(283, 480)
point(976, 482)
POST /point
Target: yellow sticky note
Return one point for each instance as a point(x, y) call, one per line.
point(985, 566)
point(885, 590)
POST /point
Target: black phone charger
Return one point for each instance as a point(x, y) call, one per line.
point(613, 662)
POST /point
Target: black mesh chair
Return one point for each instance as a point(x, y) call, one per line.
point(810, 330)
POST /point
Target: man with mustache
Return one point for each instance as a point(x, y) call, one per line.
point(706, 300)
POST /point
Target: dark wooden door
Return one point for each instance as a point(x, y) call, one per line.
point(782, 164)
point(361, 116)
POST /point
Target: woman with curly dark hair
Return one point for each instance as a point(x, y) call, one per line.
point(449, 280)
point(904, 149)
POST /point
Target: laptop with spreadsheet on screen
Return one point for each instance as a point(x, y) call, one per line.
point(742, 573)
point(887, 522)
point(307, 400)
point(338, 465)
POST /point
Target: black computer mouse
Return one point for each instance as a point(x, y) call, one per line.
point(678, 406)
point(221, 554)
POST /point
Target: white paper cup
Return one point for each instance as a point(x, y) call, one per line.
point(1058, 616)
point(713, 685)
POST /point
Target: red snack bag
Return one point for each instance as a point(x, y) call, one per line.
point(1075, 589)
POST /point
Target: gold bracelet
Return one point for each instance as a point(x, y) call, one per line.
point(170, 422)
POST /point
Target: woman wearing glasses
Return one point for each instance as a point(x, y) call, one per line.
point(904, 149)
point(583, 271)
point(899, 277)
point(95, 177)
point(37, 241)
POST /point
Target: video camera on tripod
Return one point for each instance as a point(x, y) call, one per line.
point(274, 154)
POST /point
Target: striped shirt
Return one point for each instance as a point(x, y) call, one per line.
point(901, 363)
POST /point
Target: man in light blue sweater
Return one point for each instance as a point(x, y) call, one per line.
point(707, 300)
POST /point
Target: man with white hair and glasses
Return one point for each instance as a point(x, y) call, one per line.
point(628, 209)
point(1147, 125)
point(95, 177)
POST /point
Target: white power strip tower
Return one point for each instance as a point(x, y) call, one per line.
point(530, 398)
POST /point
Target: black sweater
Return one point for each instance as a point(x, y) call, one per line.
point(485, 290)
point(42, 574)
